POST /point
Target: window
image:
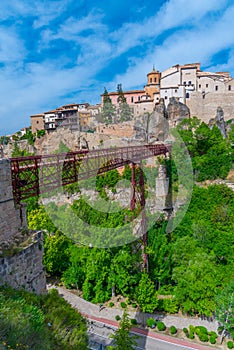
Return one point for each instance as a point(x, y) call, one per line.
point(132, 99)
point(199, 86)
point(189, 82)
point(207, 85)
point(184, 82)
point(216, 87)
point(139, 98)
point(175, 90)
point(187, 95)
point(151, 80)
point(229, 87)
point(165, 97)
point(37, 122)
point(155, 80)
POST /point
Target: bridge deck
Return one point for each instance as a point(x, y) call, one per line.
point(34, 175)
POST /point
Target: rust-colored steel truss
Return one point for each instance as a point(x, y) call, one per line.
point(35, 175)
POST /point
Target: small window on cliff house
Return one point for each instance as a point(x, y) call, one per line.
point(175, 90)
point(132, 99)
point(229, 87)
point(189, 82)
point(139, 98)
point(207, 85)
point(155, 80)
point(216, 87)
point(199, 86)
point(184, 82)
point(151, 80)
point(165, 97)
point(187, 95)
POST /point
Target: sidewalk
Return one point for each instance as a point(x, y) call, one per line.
point(90, 309)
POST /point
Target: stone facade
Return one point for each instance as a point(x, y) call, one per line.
point(20, 249)
point(24, 269)
point(12, 219)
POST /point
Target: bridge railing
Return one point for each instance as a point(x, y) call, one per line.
point(34, 175)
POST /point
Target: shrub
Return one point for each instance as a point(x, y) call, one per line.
point(133, 321)
point(212, 340)
point(230, 345)
point(117, 317)
point(123, 305)
point(173, 330)
point(111, 304)
point(213, 334)
point(128, 302)
point(220, 329)
point(200, 330)
point(151, 322)
point(161, 326)
point(134, 305)
point(203, 337)
point(185, 330)
point(170, 305)
point(191, 332)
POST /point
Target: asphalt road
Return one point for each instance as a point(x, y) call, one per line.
point(99, 333)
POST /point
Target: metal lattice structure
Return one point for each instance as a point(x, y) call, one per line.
point(35, 175)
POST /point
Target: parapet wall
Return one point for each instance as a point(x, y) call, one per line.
point(24, 269)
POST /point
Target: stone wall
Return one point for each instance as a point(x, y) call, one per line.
point(205, 108)
point(12, 219)
point(24, 269)
point(20, 249)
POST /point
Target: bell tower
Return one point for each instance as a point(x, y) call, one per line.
point(153, 82)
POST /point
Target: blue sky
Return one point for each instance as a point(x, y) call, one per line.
point(54, 52)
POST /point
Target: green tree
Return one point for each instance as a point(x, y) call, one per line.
point(56, 253)
point(108, 112)
point(125, 112)
point(146, 295)
point(122, 338)
point(225, 308)
point(197, 284)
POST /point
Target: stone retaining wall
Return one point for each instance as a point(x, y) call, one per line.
point(24, 269)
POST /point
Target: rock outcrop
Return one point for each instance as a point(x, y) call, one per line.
point(176, 111)
point(219, 122)
point(153, 126)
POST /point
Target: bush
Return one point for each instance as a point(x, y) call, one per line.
point(185, 330)
point(161, 326)
point(111, 304)
point(123, 305)
point(203, 337)
point(191, 332)
point(213, 334)
point(134, 305)
point(173, 330)
point(200, 330)
point(220, 329)
point(117, 317)
point(133, 321)
point(230, 345)
point(212, 340)
point(151, 322)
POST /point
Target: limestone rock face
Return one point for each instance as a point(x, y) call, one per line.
point(176, 111)
point(158, 123)
point(152, 127)
point(219, 122)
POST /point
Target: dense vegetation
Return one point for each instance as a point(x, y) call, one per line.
point(192, 265)
point(47, 322)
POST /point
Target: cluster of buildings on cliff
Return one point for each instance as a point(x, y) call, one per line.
point(202, 92)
